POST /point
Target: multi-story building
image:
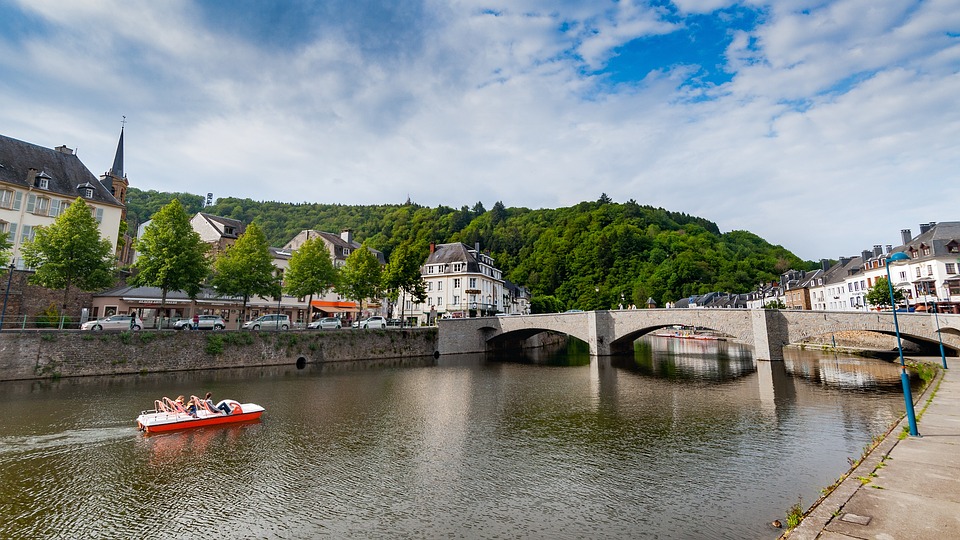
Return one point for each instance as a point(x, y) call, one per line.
point(460, 282)
point(37, 184)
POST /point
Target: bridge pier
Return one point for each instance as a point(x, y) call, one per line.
point(770, 334)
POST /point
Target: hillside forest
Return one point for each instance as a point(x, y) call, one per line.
point(594, 255)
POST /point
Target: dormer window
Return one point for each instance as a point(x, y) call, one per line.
point(229, 231)
point(86, 190)
point(42, 181)
point(953, 247)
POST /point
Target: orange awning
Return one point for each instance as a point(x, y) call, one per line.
point(334, 307)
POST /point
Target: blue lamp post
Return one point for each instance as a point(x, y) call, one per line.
point(936, 317)
point(904, 380)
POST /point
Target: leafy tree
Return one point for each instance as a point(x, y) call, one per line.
point(311, 271)
point(246, 269)
point(402, 276)
point(5, 245)
point(879, 294)
point(545, 304)
point(360, 276)
point(70, 252)
point(171, 255)
point(775, 304)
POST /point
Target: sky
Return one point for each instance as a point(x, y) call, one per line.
point(822, 126)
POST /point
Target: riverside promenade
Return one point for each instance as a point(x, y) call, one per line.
point(906, 488)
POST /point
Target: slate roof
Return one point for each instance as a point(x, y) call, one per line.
point(65, 172)
point(936, 238)
point(456, 252)
point(337, 241)
point(128, 291)
point(222, 223)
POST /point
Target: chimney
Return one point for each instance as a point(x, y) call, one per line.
point(32, 175)
point(824, 264)
point(905, 236)
point(346, 235)
point(865, 255)
point(877, 250)
point(433, 247)
point(889, 249)
point(844, 261)
point(64, 150)
point(924, 227)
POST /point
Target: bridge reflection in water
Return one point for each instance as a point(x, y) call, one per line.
point(686, 365)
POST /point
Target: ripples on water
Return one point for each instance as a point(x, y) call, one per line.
point(684, 440)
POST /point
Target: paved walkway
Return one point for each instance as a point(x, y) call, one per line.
point(916, 491)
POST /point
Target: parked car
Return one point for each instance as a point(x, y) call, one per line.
point(326, 322)
point(372, 322)
point(113, 322)
point(268, 322)
point(207, 322)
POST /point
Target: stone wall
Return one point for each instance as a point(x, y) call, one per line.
point(25, 301)
point(48, 353)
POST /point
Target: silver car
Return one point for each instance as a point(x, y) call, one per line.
point(114, 322)
point(373, 322)
point(326, 322)
point(206, 322)
point(268, 322)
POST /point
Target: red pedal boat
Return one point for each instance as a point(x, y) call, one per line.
point(169, 415)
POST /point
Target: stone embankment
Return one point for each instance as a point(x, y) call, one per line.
point(50, 354)
point(858, 340)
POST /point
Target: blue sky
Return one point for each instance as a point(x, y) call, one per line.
point(823, 126)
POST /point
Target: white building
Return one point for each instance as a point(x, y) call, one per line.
point(37, 184)
point(460, 282)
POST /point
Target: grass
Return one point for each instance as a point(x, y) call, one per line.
point(795, 514)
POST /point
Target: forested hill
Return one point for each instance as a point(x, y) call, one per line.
point(630, 249)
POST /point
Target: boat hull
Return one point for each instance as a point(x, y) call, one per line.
point(158, 422)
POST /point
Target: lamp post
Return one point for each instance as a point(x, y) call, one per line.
point(6, 295)
point(904, 380)
point(936, 317)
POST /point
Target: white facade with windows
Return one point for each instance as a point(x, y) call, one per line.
point(460, 282)
point(38, 184)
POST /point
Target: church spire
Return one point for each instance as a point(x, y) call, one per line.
point(117, 169)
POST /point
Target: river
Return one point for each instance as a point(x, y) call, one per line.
point(684, 440)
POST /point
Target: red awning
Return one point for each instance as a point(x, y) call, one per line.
point(334, 307)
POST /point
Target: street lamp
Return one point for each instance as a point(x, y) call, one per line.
point(6, 295)
point(936, 317)
point(904, 380)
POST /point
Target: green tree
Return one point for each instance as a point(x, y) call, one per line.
point(879, 294)
point(246, 269)
point(171, 255)
point(360, 276)
point(70, 252)
point(402, 276)
point(5, 245)
point(311, 270)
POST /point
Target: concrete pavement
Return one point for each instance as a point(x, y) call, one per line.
point(915, 493)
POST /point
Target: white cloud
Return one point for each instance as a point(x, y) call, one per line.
point(837, 130)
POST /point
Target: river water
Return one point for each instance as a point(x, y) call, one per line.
point(684, 440)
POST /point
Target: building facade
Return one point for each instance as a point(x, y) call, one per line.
point(460, 282)
point(37, 184)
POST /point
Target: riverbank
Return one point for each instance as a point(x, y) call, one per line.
point(54, 354)
point(905, 487)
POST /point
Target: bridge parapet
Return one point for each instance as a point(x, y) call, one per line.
point(610, 332)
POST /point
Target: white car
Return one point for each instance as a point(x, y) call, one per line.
point(326, 322)
point(114, 322)
point(373, 322)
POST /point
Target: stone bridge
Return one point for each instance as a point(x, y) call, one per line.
point(613, 332)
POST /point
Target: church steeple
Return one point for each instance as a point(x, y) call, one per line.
point(117, 169)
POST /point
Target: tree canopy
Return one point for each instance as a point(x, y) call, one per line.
point(402, 276)
point(360, 276)
point(171, 255)
point(246, 268)
point(311, 271)
point(879, 295)
point(70, 252)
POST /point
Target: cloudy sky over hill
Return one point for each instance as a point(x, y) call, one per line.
point(824, 126)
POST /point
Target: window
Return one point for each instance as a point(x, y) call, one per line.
point(26, 233)
point(918, 271)
point(54, 208)
point(456, 283)
point(17, 200)
point(429, 269)
point(929, 269)
point(42, 182)
point(458, 267)
point(456, 300)
point(926, 250)
point(43, 206)
point(430, 286)
point(951, 268)
point(31, 202)
point(473, 283)
point(439, 285)
point(6, 198)
point(87, 192)
point(11, 232)
point(98, 214)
